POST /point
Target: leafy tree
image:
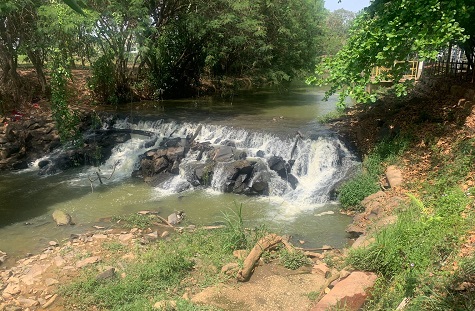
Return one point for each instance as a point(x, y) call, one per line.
point(389, 31)
point(336, 31)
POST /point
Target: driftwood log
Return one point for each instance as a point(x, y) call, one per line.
point(267, 242)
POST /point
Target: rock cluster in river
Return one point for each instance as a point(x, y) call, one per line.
point(26, 138)
point(238, 173)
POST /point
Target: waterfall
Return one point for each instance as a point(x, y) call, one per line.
point(318, 164)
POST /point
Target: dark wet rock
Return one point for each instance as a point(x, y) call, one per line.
point(158, 180)
point(223, 154)
point(240, 155)
point(282, 168)
point(96, 149)
point(150, 143)
point(260, 154)
point(199, 173)
point(292, 180)
point(229, 143)
point(261, 179)
point(175, 217)
point(170, 142)
point(278, 165)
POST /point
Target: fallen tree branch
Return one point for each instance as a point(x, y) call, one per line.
point(165, 221)
point(267, 242)
point(99, 177)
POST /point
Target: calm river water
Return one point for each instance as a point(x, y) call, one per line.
point(265, 120)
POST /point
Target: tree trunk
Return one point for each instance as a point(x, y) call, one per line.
point(264, 244)
point(38, 64)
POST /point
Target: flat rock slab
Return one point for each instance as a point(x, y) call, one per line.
point(394, 176)
point(350, 293)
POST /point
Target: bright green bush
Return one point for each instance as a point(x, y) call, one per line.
point(103, 82)
point(355, 190)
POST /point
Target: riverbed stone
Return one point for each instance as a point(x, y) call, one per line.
point(62, 218)
point(3, 257)
point(27, 302)
point(108, 273)
point(87, 261)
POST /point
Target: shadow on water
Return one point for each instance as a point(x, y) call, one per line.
point(24, 195)
point(263, 109)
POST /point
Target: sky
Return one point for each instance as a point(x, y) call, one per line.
point(350, 5)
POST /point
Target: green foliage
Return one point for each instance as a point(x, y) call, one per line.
point(366, 182)
point(102, 82)
point(159, 272)
point(135, 220)
point(235, 237)
point(293, 260)
point(327, 118)
point(390, 31)
point(355, 190)
point(455, 166)
point(336, 31)
point(422, 241)
point(67, 121)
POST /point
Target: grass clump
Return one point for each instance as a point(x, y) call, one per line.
point(355, 190)
point(135, 221)
point(236, 235)
point(366, 182)
point(293, 260)
point(331, 116)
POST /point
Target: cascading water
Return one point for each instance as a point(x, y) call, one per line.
point(263, 128)
point(318, 164)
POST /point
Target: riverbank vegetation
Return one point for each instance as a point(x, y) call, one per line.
point(425, 259)
point(167, 272)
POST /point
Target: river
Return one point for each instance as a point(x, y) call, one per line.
point(263, 120)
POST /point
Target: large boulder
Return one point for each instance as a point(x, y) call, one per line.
point(283, 169)
point(223, 154)
point(394, 176)
point(350, 293)
point(236, 175)
point(260, 183)
point(62, 218)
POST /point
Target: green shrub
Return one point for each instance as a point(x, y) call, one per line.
point(67, 121)
point(135, 221)
point(293, 260)
point(103, 83)
point(354, 191)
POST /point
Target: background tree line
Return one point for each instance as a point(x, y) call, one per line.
point(153, 48)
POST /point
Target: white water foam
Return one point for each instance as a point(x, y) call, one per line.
point(319, 164)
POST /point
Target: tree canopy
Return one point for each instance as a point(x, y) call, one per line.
point(143, 48)
point(395, 30)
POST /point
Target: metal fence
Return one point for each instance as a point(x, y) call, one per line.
point(460, 70)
